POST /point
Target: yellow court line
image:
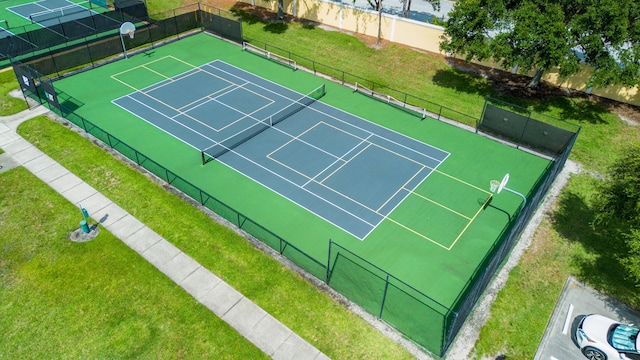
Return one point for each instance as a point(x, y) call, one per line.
point(142, 65)
point(182, 61)
point(417, 233)
point(204, 97)
point(442, 206)
point(462, 181)
point(160, 74)
point(115, 76)
point(124, 83)
point(346, 162)
point(471, 221)
point(294, 138)
point(402, 188)
point(249, 115)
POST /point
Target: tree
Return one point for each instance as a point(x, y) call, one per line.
point(618, 200)
point(537, 35)
point(619, 196)
point(280, 9)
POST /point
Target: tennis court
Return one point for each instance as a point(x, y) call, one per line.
point(52, 12)
point(410, 197)
point(342, 168)
point(4, 30)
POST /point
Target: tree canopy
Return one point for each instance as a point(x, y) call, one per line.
point(537, 35)
point(618, 200)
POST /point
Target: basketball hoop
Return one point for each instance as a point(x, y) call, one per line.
point(126, 28)
point(497, 186)
point(493, 185)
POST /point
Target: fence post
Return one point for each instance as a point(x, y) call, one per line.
point(384, 295)
point(326, 279)
point(175, 21)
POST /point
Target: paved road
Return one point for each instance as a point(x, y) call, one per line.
point(577, 299)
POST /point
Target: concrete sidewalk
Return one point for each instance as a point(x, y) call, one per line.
point(267, 333)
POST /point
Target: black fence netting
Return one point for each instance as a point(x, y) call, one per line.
point(87, 54)
point(415, 314)
point(277, 243)
point(134, 8)
point(419, 317)
point(75, 37)
point(62, 32)
point(492, 262)
point(519, 125)
point(219, 22)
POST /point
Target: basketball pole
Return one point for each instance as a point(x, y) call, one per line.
point(124, 48)
point(503, 186)
point(128, 29)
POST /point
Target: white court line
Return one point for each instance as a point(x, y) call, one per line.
point(348, 125)
point(303, 189)
point(204, 100)
point(157, 127)
point(337, 119)
point(565, 328)
point(166, 117)
point(341, 158)
point(553, 358)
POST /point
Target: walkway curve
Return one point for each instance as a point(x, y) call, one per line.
point(256, 325)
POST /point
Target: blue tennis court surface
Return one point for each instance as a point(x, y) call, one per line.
point(52, 12)
point(345, 169)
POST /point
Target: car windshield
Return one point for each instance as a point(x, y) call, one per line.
point(623, 337)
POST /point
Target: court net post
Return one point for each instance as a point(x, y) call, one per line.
point(205, 158)
point(231, 142)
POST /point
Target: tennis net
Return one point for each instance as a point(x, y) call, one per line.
point(269, 55)
point(50, 14)
point(249, 133)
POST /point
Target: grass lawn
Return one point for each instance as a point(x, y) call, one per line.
point(565, 244)
point(430, 77)
point(99, 299)
point(288, 297)
point(8, 104)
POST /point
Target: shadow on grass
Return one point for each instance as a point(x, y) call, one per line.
point(247, 17)
point(576, 109)
point(276, 27)
point(599, 264)
point(462, 81)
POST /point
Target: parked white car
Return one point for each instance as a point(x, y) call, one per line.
point(601, 338)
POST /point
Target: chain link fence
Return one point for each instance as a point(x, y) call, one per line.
point(420, 318)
